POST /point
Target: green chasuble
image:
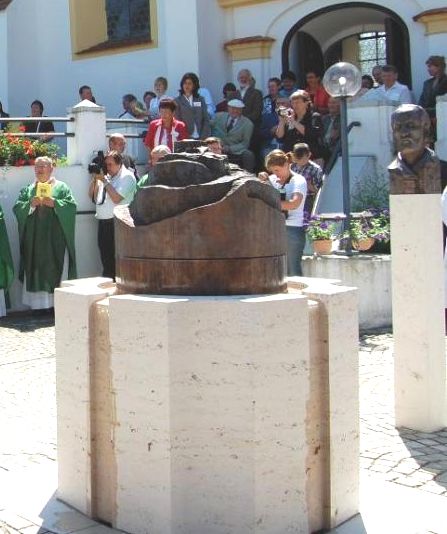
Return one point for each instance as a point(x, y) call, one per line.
point(44, 235)
point(145, 180)
point(6, 265)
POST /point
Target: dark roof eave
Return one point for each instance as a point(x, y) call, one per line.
point(4, 4)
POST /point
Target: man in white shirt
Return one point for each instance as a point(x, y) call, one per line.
point(206, 95)
point(118, 186)
point(390, 90)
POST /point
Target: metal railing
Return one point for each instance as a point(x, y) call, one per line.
point(129, 122)
point(37, 119)
point(337, 149)
point(327, 169)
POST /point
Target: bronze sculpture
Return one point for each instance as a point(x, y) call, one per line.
point(416, 169)
point(203, 227)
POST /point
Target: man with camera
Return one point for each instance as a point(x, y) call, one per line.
point(117, 142)
point(117, 186)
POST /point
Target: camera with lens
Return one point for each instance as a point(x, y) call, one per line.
point(98, 164)
point(284, 112)
point(282, 194)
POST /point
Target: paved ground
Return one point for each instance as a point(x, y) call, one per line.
point(404, 457)
point(404, 473)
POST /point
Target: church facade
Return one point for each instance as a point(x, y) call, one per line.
point(48, 48)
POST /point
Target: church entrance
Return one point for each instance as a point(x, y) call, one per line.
point(358, 32)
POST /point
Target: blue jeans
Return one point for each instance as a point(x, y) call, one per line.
point(296, 239)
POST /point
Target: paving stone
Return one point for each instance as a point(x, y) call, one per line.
point(408, 481)
point(427, 441)
point(5, 529)
point(414, 445)
point(405, 470)
point(14, 521)
point(434, 457)
point(442, 448)
point(28, 410)
point(380, 468)
point(422, 476)
point(432, 487)
point(386, 461)
point(440, 465)
point(35, 529)
point(391, 476)
point(442, 479)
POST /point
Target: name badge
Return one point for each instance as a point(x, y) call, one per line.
point(197, 104)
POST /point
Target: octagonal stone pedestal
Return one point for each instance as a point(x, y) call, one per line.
point(209, 415)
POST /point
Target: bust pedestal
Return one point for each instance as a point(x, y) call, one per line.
point(418, 311)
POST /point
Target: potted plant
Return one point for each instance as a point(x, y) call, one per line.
point(321, 232)
point(19, 151)
point(372, 225)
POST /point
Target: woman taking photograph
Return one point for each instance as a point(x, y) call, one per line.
point(293, 190)
point(191, 107)
point(300, 125)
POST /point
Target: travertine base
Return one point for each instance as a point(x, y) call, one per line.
point(213, 415)
point(74, 407)
point(418, 312)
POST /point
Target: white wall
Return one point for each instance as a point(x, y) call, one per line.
point(191, 37)
point(51, 75)
point(275, 19)
point(214, 63)
point(3, 61)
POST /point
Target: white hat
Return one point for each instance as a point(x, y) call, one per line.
point(236, 103)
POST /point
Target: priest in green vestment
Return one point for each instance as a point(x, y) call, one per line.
point(46, 213)
point(6, 265)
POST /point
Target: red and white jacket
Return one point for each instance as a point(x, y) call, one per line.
point(158, 135)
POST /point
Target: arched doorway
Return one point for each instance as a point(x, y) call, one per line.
point(359, 32)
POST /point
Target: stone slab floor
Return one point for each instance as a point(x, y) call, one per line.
point(403, 473)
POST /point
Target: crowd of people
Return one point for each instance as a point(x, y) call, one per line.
point(249, 123)
point(290, 132)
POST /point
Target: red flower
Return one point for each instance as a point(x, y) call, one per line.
point(22, 128)
point(20, 163)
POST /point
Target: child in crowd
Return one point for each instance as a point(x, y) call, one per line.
point(292, 188)
point(313, 173)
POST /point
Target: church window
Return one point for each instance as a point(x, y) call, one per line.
point(372, 50)
point(127, 19)
point(100, 27)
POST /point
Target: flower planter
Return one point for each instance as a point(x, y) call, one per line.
point(322, 246)
point(363, 244)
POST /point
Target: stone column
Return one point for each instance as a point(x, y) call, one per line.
point(73, 393)
point(89, 128)
point(211, 395)
point(339, 307)
point(418, 311)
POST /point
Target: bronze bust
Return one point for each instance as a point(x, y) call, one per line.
point(416, 169)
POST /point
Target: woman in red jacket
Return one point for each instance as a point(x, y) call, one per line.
point(166, 130)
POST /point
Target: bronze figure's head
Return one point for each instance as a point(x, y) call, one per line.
point(411, 130)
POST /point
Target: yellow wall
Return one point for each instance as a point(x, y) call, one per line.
point(350, 49)
point(89, 28)
point(88, 23)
